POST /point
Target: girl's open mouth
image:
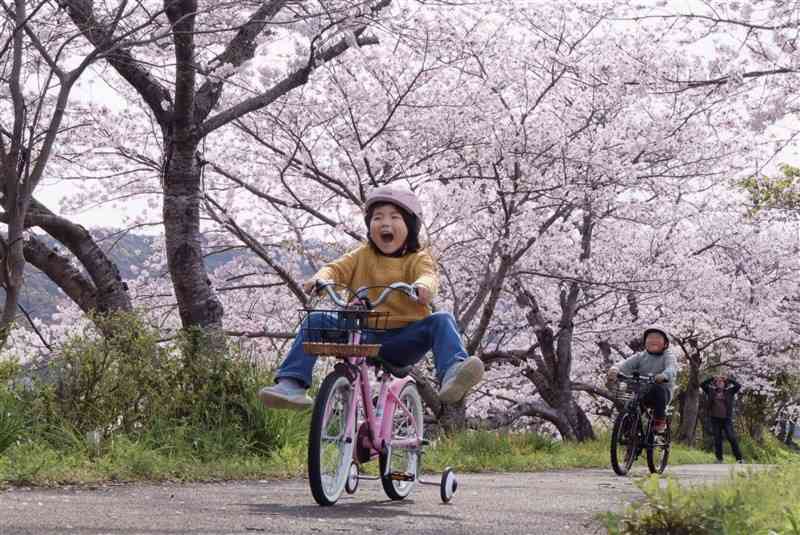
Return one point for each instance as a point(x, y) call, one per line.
point(387, 237)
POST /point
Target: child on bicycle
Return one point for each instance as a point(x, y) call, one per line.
point(655, 359)
point(391, 254)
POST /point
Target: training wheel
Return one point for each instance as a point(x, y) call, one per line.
point(449, 485)
point(351, 486)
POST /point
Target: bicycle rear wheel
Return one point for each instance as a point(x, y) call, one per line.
point(658, 454)
point(624, 442)
point(330, 451)
point(403, 462)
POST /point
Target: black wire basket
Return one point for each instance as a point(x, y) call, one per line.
point(328, 333)
point(624, 392)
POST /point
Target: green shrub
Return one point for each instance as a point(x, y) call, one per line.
point(128, 383)
point(755, 503)
point(114, 382)
point(270, 430)
point(12, 422)
point(24, 462)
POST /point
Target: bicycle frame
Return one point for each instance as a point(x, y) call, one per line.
point(637, 408)
point(379, 426)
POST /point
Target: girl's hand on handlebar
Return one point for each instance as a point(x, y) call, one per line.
point(312, 285)
point(423, 295)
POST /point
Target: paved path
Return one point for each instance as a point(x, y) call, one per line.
point(549, 503)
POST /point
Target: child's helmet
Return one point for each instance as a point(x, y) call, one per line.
point(404, 198)
point(656, 329)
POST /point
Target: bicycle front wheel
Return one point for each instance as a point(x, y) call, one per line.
point(624, 442)
point(658, 454)
point(399, 465)
point(330, 450)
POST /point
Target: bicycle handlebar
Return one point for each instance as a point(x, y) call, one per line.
point(361, 293)
point(644, 379)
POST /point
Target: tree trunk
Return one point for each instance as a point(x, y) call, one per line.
point(581, 426)
point(691, 405)
point(111, 292)
point(756, 429)
point(453, 417)
point(564, 412)
point(13, 266)
point(197, 303)
point(449, 417)
point(62, 272)
point(198, 306)
point(564, 427)
point(16, 186)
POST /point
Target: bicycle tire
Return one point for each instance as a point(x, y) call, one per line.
point(327, 485)
point(658, 463)
point(625, 433)
point(407, 458)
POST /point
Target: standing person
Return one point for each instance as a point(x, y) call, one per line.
point(392, 254)
point(720, 397)
point(656, 359)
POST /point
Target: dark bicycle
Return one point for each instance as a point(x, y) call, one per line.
point(633, 428)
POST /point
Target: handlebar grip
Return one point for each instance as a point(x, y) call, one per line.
point(413, 293)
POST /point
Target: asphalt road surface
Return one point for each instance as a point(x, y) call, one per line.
point(551, 503)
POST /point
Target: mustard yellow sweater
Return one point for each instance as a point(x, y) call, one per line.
point(365, 267)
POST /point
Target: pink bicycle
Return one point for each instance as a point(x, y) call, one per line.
point(350, 425)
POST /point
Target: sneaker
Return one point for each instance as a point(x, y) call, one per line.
point(285, 396)
point(460, 378)
point(739, 461)
point(659, 426)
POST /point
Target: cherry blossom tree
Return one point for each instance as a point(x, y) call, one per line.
point(579, 179)
point(43, 66)
point(188, 79)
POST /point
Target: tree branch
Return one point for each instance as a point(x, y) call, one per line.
point(293, 80)
point(239, 50)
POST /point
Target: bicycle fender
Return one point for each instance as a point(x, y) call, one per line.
point(395, 387)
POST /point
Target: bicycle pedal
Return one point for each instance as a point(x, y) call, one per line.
point(401, 476)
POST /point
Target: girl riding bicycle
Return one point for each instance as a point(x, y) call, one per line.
point(392, 254)
point(655, 359)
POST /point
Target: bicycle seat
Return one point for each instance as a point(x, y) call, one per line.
point(398, 371)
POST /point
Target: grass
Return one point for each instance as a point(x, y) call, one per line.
point(488, 451)
point(763, 503)
point(766, 503)
point(186, 454)
point(37, 463)
point(129, 408)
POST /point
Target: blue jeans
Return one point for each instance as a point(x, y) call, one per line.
point(720, 426)
point(402, 347)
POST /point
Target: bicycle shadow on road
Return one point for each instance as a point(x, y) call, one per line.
point(375, 509)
